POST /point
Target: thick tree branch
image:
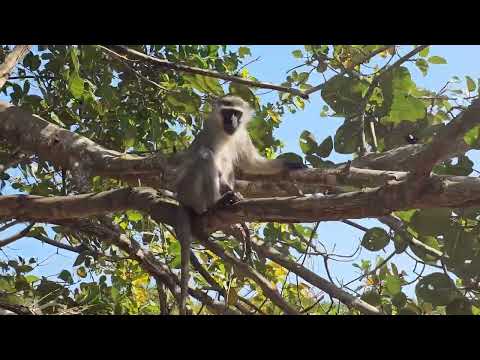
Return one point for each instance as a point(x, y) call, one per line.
point(444, 142)
point(441, 191)
point(404, 158)
point(13, 309)
point(68, 150)
point(11, 61)
point(204, 72)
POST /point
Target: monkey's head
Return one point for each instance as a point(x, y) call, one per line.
point(231, 113)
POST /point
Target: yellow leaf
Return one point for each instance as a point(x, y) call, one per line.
point(141, 281)
point(274, 116)
point(278, 270)
point(140, 294)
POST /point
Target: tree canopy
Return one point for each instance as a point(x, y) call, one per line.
point(88, 138)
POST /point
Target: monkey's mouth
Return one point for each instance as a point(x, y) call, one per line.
point(229, 129)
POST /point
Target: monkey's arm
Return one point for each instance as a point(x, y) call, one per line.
point(251, 162)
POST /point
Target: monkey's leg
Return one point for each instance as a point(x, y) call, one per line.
point(210, 176)
point(247, 244)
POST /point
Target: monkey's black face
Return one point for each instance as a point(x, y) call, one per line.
point(231, 120)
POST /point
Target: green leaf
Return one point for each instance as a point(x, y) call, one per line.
point(31, 278)
point(372, 297)
point(183, 102)
point(66, 276)
point(76, 85)
point(401, 242)
point(299, 102)
point(174, 251)
point(348, 137)
point(325, 148)
point(420, 251)
point(424, 52)
point(375, 239)
point(308, 143)
point(472, 137)
point(244, 51)
point(32, 61)
point(344, 95)
point(79, 260)
point(134, 215)
point(5, 285)
point(393, 284)
point(436, 288)
point(297, 53)
point(244, 92)
point(291, 157)
point(74, 57)
point(407, 311)
point(463, 167)
point(422, 65)
point(459, 307)
point(406, 215)
point(433, 221)
point(213, 85)
point(471, 86)
point(436, 60)
point(407, 108)
point(399, 300)
point(81, 272)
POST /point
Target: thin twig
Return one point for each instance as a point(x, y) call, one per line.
point(204, 72)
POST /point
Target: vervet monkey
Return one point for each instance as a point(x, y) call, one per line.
point(207, 176)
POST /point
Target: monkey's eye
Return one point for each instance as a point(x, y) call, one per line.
point(226, 103)
point(238, 115)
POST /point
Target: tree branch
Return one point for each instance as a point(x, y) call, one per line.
point(204, 72)
point(11, 61)
point(325, 285)
point(17, 236)
point(268, 289)
point(440, 191)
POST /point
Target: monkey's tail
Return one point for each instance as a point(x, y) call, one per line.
point(185, 237)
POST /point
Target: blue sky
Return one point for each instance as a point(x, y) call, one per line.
point(271, 67)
